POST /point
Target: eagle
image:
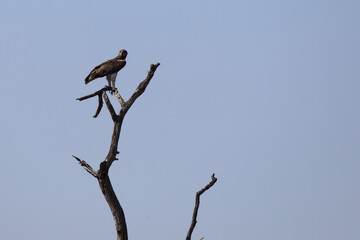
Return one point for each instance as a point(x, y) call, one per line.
point(109, 69)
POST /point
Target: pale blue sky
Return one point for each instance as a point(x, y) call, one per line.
point(263, 93)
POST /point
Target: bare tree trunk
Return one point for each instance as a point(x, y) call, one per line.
point(113, 202)
point(102, 174)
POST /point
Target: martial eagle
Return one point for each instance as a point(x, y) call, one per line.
point(109, 69)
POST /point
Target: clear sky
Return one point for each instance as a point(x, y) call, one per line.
point(263, 93)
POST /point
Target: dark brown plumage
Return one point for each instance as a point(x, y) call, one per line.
point(109, 69)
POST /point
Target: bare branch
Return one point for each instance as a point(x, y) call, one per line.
point(86, 166)
point(113, 151)
point(114, 116)
point(140, 89)
point(99, 94)
point(106, 88)
point(99, 106)
point(119, 97)
point(211, 183)
point(197, 204)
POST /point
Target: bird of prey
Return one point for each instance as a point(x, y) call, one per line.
point(109, 69)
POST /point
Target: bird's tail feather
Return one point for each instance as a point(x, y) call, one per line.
point(87, 80)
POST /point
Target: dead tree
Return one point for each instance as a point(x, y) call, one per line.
point(102, 173)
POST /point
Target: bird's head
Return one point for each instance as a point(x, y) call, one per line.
point(122, 53)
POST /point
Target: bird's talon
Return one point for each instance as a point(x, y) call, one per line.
point(112, 90)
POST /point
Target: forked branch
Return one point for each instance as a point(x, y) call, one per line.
point(99, 94)
point(102, 173)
